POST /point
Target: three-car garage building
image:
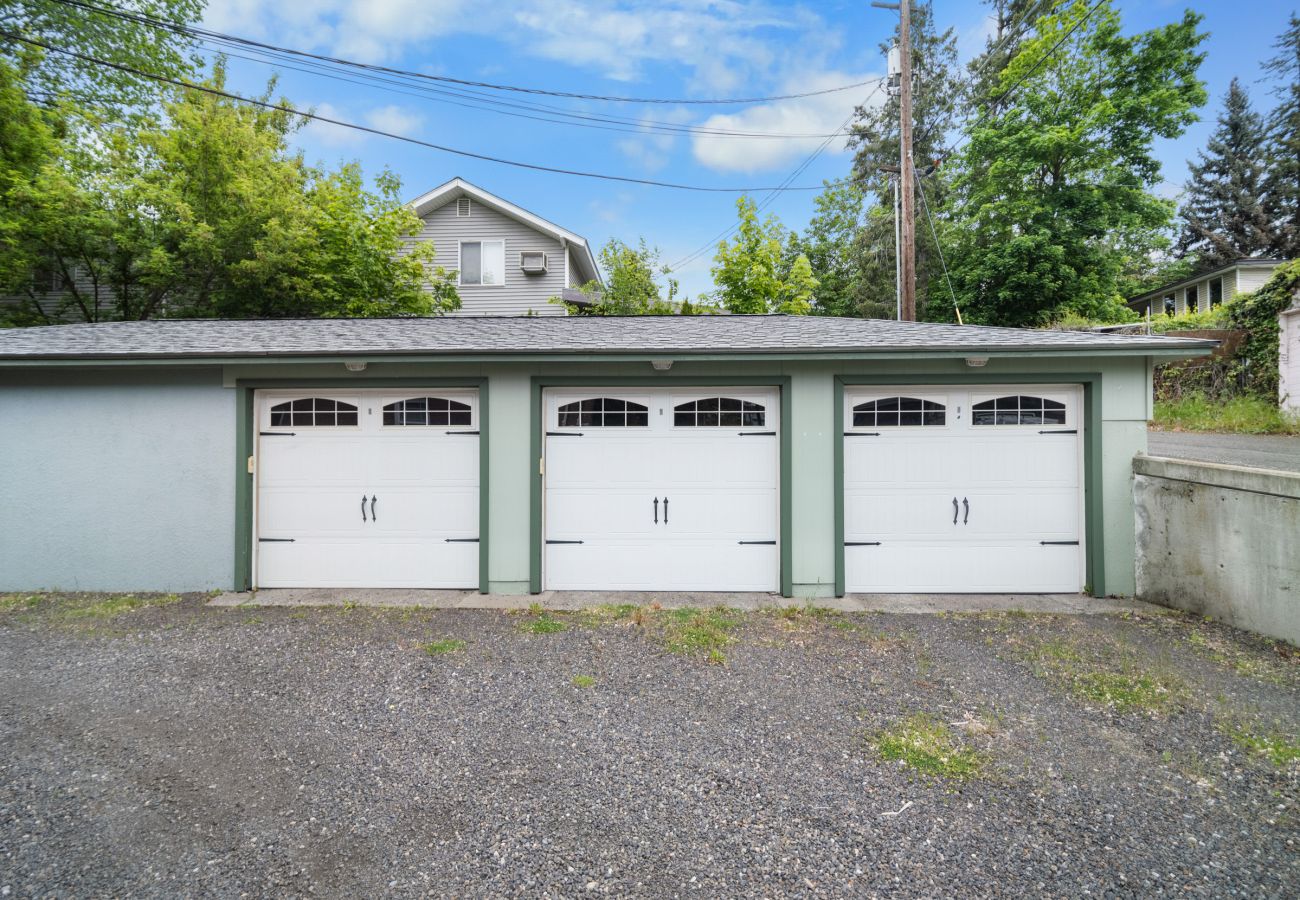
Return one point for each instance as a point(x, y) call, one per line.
point(805, 456)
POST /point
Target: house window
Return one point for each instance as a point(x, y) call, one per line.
point(1216, 292)
point(312, 411)
point(47, 278)
point(724, 412)
point(891, 411)
point(603, 412)
point(427, 411)
point(1191, 299)
point(1169, 305)
point(1018, 411)
point(483, 262)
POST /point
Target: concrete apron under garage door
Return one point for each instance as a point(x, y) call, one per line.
point(1066, 604)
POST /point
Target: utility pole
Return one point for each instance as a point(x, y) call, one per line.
point(906, 222)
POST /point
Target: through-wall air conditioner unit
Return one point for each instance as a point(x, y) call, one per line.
point(533, 262)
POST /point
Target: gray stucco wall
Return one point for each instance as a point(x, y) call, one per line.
point(1220, 541)
point(116, 481)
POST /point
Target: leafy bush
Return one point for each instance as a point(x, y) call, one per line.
point(1256, 314)
point(1240, 415)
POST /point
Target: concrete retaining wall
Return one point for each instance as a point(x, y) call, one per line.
point(1220, 541)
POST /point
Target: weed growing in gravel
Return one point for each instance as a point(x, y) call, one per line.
point(1280, 749)
point(443, 646)
point(927, 745)
point(543, 624)
point(583, 681)
point(19, 602)
point(111, 607)
point(1106, 674)
point(1245, 662)
point(690, 630)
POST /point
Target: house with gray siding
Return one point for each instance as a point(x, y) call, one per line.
point(510, 261)
point(1206, 290)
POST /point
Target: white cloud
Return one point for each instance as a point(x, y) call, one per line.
point(330, 135)
point(820, 115)
point(394, 119)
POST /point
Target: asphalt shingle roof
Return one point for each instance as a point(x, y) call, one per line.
point(578, 335)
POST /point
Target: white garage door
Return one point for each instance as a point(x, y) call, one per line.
point(662, 489)
point(959, 490)
point(367, 489)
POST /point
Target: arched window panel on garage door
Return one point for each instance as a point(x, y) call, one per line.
point(603, 412)
point(899, 411)
point(427, 411)
point(312, 411)
point(1020, 409)
point(721, 412)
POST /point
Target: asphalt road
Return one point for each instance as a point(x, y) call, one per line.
point(1265, 451)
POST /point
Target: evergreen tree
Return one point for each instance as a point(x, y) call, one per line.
point(937, 96)
point(1224, 216)
point(1283, 182)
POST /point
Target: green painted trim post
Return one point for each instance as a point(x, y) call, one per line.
point(245, 427)
point(1094, 557)
point(541, 382)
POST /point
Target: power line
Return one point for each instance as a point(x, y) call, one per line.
point(399, 137)
point(925, 205)
point(192, 31)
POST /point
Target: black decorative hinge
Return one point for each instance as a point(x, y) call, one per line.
point(1059, 543)
point(564, 434)
point(1069, 431)
point(462, 540)
point(756, 542)
point(862, 543)
point(566, 542)
point(275, 540)
point(862, 434)
point(756, 433)
point(276, 433)
point(462, 432)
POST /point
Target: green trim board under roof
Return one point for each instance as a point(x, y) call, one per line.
point(468, 338)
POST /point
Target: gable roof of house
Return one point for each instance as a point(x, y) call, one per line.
point(443, 194)
point(571, 336)
point(1247, 262)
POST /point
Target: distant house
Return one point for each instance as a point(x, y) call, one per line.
point(1206, 290)
point(510, 261)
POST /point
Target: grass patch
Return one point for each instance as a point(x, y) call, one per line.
point(583, 681)
point(1238, 415)
point(19, 602)
point(543, 624)
point(925, 744)
point(109, 608)
point(1282, 750)
point(703, 631)
point(1104, 674)
point(1244, 662)
point(443, 646)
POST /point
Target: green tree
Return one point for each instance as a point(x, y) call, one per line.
point(120, 95)
point(210, 214)
point(1053, 195)
point(832, 242)
point(1224, 215)
point(632, 283)
point(938, 95)
point(752, 273)
point(1283, 182)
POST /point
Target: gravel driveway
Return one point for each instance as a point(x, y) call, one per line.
point(158, 747)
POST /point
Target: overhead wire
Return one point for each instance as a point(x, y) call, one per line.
point(176, 82)
point(194, 31)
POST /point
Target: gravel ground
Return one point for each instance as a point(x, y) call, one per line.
point(182, 750)
point(1264, 451)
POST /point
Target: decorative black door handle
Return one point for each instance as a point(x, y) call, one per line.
point(665, 510)
point(954, 510)
point(363, 507)
point(964, 502)
point(656, 510)
point(373, 517)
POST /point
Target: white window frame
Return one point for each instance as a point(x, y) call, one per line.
point(459, 272)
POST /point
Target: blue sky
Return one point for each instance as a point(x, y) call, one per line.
point(646, 48)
